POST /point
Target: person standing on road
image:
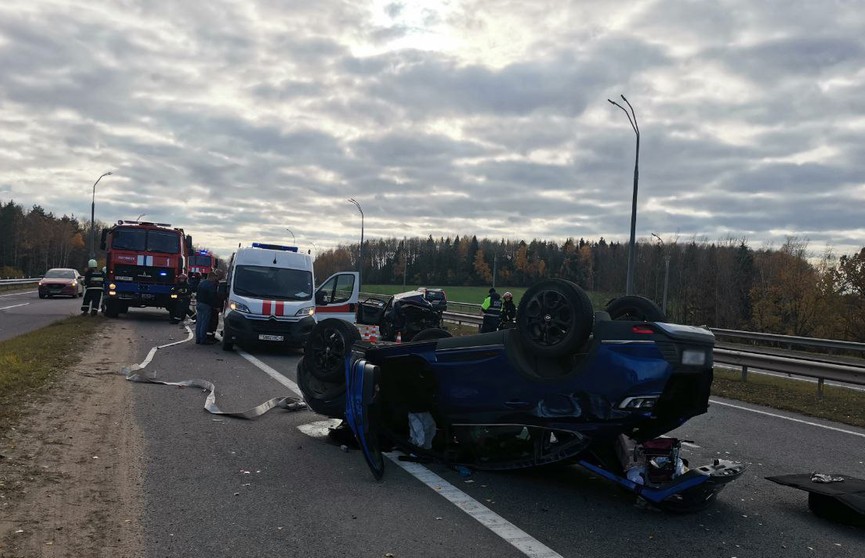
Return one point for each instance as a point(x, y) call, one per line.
point(216, 307)
point(205, 296)
point(508, 316)
point(181, 304)
point(491, 308)
point(94, 280)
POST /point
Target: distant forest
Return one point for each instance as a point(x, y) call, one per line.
point(724, 284)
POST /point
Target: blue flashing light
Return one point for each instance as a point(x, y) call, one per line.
point(163, 273)
point(274, 247)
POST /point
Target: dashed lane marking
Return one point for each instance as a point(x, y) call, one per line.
point(14, 306)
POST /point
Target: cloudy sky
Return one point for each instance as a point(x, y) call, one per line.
point(239, 119)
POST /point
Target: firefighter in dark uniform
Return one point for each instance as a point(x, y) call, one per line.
point(508, 317)
point(491, 308)
point(94, 282)
point(181, 304)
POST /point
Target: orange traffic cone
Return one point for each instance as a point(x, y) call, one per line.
point(398, 337)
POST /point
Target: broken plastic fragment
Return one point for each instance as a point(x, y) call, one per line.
point(824, 478)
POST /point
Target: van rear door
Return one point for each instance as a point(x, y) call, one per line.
point(337, 297)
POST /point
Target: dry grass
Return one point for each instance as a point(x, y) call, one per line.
point(842, 405)
point(30, 362)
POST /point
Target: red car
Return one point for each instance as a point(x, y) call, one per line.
point(61, 281)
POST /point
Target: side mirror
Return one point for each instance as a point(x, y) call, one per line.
point(320, 297)
point(189, 244)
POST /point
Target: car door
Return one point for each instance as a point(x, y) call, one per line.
point(337, 297)
point(362, 388)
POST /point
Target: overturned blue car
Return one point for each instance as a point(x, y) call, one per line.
point(567, 385)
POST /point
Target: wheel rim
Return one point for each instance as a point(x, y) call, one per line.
point(328, 350)
point(549, 318)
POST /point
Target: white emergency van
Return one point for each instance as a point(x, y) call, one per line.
point(270, 296)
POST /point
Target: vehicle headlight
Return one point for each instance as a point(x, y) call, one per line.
point(72, 283)
point(41, 284)
point(238, 307)
point(694, 357)
point(112, 286)
point(306, 311)
point(173, 295)
point(639, 402)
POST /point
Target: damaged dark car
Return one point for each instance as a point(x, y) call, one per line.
point(567, 385)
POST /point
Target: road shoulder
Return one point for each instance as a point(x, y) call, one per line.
point(72, 469)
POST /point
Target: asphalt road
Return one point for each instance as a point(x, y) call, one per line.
point(23, 311)
point(218, 486)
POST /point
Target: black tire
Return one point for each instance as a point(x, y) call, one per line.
point(326, 348)
point(554, 318)
point(80, 294)
point(324, 398)
point(42, 295)
point(226, 344)
point(386, 330)
point(431, 333)
point(111, 309)
point(635, 308)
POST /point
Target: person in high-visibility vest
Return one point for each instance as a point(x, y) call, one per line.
point(491, 307)
point(94, 282)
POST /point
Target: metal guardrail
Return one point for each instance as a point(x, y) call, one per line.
point(20, 281)
point(815, 366)
point(821, 370)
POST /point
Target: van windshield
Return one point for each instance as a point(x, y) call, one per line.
point(272, 282)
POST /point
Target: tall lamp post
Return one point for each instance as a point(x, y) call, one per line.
point(632, 252)
point(666, 271)
point(360, 261)
point(93, 217)
point(292, 236)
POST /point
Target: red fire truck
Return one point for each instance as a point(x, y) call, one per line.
point(144, 261)
point(202, 262)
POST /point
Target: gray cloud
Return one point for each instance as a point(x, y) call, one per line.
point(237, 120)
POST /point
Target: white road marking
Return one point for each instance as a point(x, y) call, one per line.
point(788, 418)
point(271, 372)
point(511, 534)
point(690, 445)
point(18, 293)
point(14, 306)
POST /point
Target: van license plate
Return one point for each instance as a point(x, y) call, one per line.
point(263, 337)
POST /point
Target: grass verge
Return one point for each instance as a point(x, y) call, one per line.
point(842, 405)
point(31, 362)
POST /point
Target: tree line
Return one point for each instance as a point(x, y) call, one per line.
point(725, 284)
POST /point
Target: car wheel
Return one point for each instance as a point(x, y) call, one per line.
point(324, 398)
point(386, 330)
point(326, 348)
point(431, 333)
point(111, 309)
point(42, 295)
point(554, 318)
point(226, 344)
point(635, 308)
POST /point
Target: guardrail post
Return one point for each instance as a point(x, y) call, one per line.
point(744, 373)
point(819, 388)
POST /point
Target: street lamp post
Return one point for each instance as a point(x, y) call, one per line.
point(360, 261)
point(293, 241)
point(666, 271)
point(93, 217)
point(632, 252)
point(140, 216)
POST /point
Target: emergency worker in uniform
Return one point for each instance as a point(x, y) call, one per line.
point(508, 317)
point(181, 304)
point(218, 303)
point(205, 296)
point(94, 281)
point(491, 308)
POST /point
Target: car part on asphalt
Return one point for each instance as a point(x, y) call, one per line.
point(842, 501)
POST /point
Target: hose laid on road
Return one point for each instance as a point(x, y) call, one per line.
point(287, 403)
